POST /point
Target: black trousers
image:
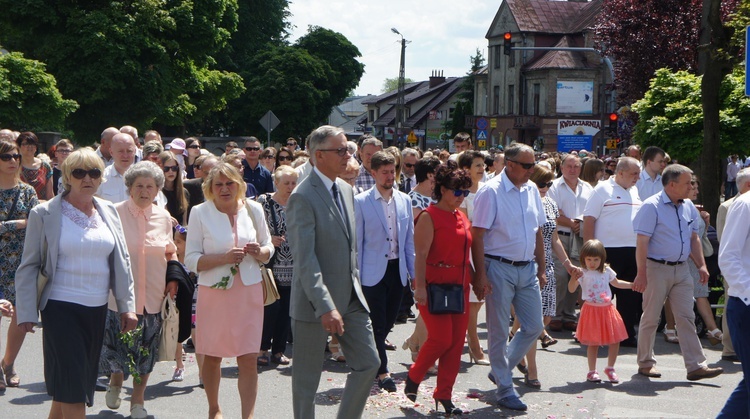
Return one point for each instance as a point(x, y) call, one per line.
point(276, 323)
point(384, 299)
point(629, 302)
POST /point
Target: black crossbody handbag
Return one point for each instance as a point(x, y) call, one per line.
point(448, 298)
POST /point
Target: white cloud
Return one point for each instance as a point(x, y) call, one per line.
point(444, 34)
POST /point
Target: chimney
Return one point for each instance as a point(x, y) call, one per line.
point(436, 78)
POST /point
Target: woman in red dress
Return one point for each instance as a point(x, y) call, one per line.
point(442, 240)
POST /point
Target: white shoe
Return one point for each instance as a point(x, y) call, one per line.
point(112, 397)
point(138, 412)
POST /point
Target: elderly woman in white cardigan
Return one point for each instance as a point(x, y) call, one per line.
point(227, 238)
point(77, 240)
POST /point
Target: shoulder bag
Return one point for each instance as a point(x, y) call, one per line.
point(270, 292)
point(448, 298)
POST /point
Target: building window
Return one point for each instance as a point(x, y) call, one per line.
point(511, 98)
point(537, 94)
point(450, 113)
point(498, 53)
point(512, 56)
point(371, 116)
point(496, 100)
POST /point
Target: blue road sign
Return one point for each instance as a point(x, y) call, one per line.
point(482, 123)
point(482, 134)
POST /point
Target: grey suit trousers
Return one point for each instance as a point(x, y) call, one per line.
point(357, 343)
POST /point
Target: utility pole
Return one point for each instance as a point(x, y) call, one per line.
point(401, 84)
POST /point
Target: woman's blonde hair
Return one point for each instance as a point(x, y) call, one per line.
point(228, 171)
point(594, 249)
point(83, 158)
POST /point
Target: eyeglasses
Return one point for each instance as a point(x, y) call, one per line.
point(81, 173)
point(459, 192)
point(409, 165)
point(167, 169)
point(269, 157)
point(252, 148)
point(526, 166)
point(543, 185)
point(194, 146)
point(341, 151)
point(9, 157)
point(289, 158)
point(63, 151)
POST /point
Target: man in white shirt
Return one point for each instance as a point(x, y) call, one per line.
point(654, 162)
point(105, 143)
point(570, 193)
point(510, 257)
point(735, 266)
point(608, 217)
point(123, 156)
point(730, 186)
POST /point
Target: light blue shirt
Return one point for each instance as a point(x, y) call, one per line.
point(669, 226)
point(648, 187)
point(511, 216)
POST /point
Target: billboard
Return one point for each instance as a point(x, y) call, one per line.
point(575, 97)
point(576, 134)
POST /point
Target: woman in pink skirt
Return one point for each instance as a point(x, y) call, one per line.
point(599, 323)
point(225, 249)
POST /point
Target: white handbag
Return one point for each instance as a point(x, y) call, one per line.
point(170, 327)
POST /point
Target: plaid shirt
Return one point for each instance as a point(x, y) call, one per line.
point(364, 181)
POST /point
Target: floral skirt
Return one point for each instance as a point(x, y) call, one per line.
point(600, 324)
point(116, 354)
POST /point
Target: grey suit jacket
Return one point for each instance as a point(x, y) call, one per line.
point(323, 249)
point(45, 222)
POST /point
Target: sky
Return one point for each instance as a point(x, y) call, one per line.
point(444, 34)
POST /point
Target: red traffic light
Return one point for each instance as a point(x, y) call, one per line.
point(613, 117)
point(507, 36)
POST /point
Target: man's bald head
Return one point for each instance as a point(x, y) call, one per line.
point(207, 165)
point(123, 151)
point(130, 130)
point(626, 163)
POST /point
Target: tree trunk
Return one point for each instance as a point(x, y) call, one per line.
point(713, 69)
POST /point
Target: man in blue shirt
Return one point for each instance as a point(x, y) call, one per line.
point(255, 173)
point(666, 227)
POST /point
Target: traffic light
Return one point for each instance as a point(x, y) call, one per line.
point(506, 42)
point(613, 121)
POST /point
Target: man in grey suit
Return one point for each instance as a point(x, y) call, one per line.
point(326, 291)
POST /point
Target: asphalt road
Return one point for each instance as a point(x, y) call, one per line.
point(564, 392)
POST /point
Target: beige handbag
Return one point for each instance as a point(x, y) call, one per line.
point(270, 292)
point(170, 328)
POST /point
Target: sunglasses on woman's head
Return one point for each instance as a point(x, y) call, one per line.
point(172, 168)
point(459, 192)
point(269, 157)
point(9, 157)
point(289, 158)
point(81, 173)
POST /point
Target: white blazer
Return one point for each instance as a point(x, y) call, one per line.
point(210, 233)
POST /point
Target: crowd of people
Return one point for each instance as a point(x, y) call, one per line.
point(355, 234)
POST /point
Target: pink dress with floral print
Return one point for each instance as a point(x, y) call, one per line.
point(599, 323)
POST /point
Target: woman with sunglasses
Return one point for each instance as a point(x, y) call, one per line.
point(177, 203)
point(78, 241)
point(268, 158)
point(193, 147)
point(473, 162)
point(16, 200)
point(34, 171)
point(543, 177)
point(284, 158)
point(442, 240)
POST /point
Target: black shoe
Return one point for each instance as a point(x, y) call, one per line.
point(189, 343)
point(387, 384)
point(402, 318)
point(410, 389)
point(449, 407)
point(730, 358)
point(100, 386)
point(389, 346)
point(410, 314)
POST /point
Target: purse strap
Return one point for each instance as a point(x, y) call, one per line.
point(12, 211)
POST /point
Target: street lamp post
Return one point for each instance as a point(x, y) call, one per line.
point(400, 96)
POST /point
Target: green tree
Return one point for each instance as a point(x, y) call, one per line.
point(29, 99)
point(391, 84)
point(138, 62)
point(671, 115)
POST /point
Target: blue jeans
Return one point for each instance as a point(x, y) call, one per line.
point(516, 285)
point(738, 318)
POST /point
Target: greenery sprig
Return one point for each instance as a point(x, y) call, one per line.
point(224, 283)
point(129, 339)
